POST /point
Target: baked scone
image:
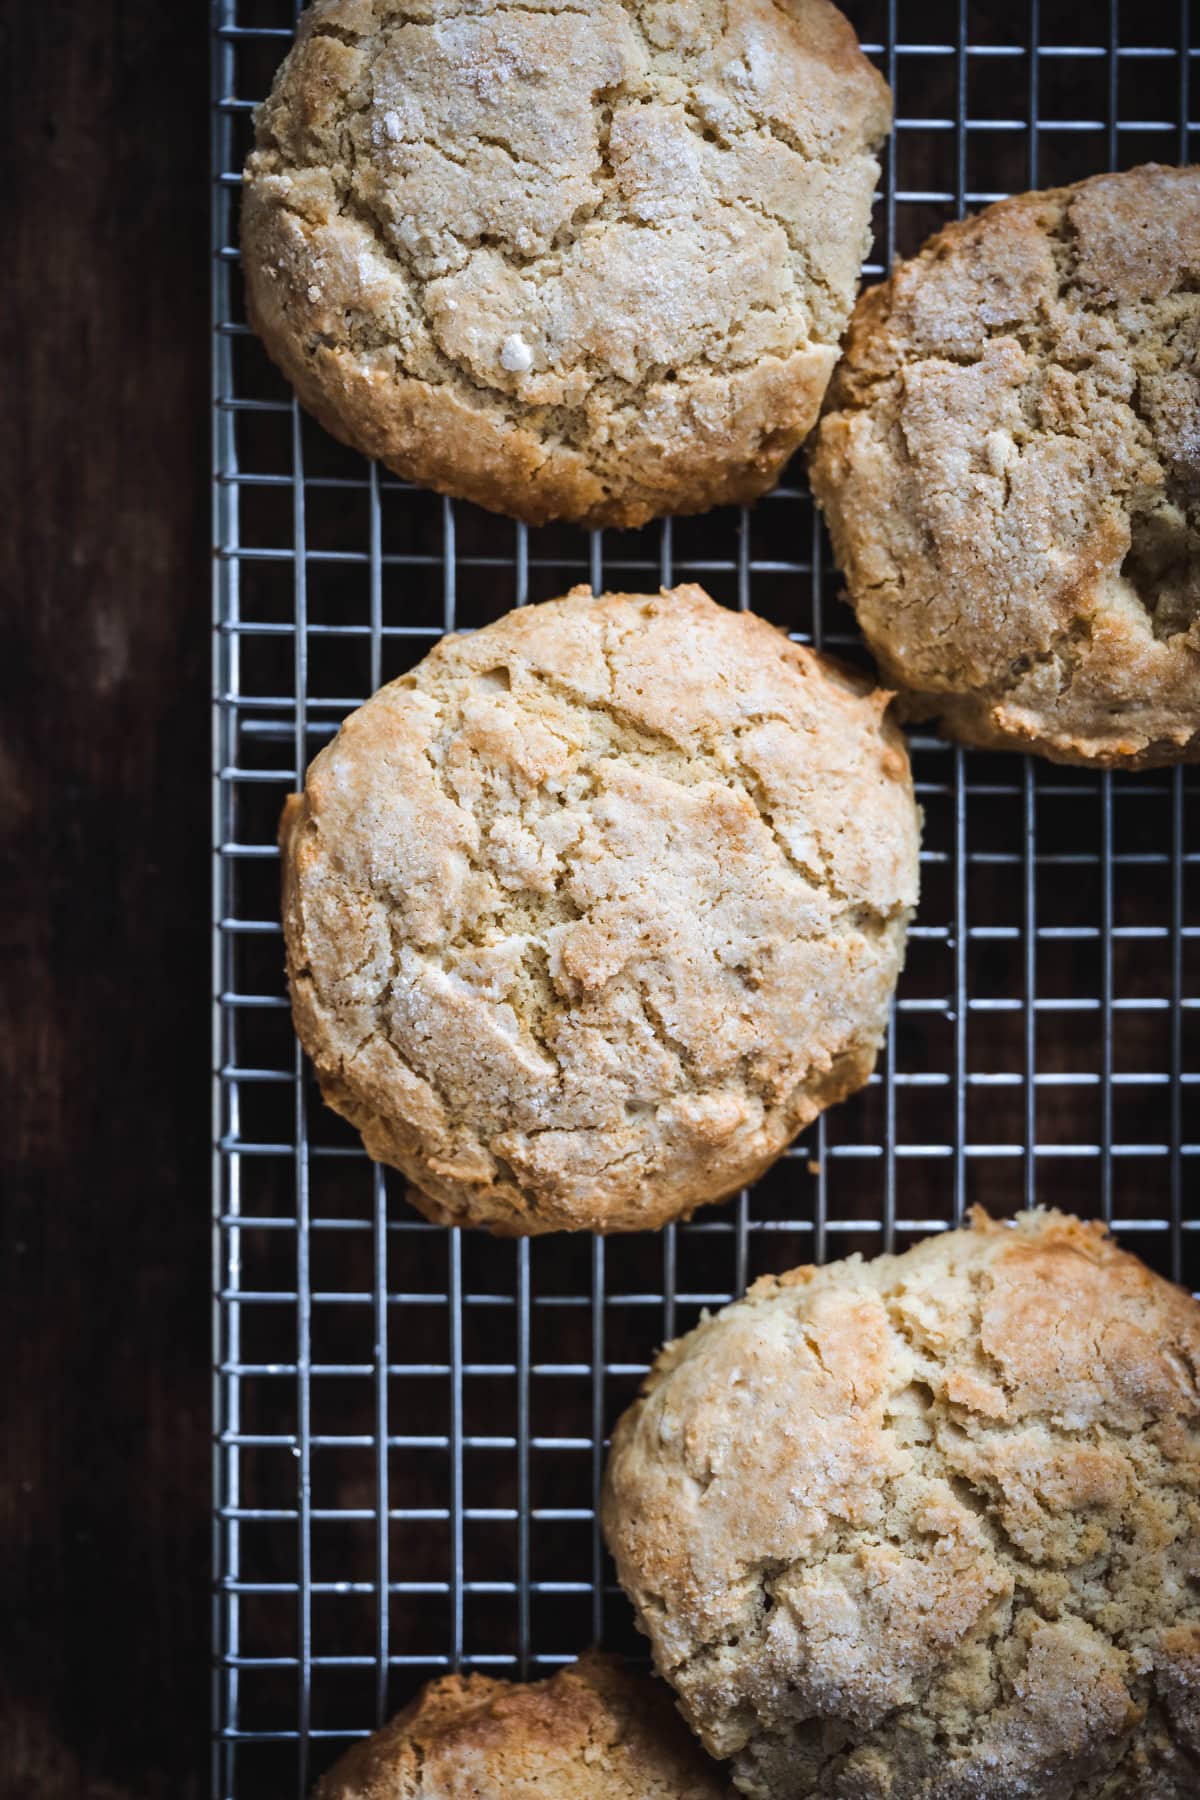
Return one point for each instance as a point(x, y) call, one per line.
point(587, 263)
point(594, 1731)
point(592, 910)
point(1010, 469)
point(928, 1527)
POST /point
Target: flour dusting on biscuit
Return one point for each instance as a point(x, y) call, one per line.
point(928, 1527)
point(597, 907)
point(1010, 468)
point(612, 247)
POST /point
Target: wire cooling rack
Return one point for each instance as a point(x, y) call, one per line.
point(409, 1421)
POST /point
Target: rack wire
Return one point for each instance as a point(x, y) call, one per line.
point(410, 1422)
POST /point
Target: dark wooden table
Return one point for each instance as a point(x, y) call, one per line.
point(104, 1458)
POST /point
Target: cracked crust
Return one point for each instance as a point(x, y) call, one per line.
point(1010, 468)
point(594, 1731)
point(587, 263)
point(592, 911)
point(928, 1527)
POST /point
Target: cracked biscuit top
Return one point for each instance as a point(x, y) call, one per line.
point(928, 1527)
point(592, 911)
point(594, 1731)
point(587, 262)
point(1010, 468)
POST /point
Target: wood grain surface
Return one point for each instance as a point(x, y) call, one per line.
point(104, 1460)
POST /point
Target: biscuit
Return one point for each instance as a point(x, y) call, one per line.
point(592, 911)
point(594, 1731)
point(588, 263)
point(1010, 469)
point(928, 1527)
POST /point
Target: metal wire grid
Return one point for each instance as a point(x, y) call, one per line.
point(410, 1422)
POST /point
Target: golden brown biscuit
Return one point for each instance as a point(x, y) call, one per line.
point(594, 1731)
point(1010, 468)
point(592, 911)
point(928, 1527)
point(588, 263)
